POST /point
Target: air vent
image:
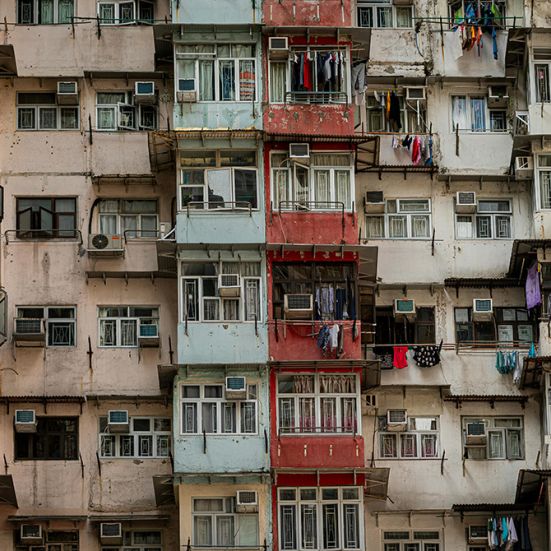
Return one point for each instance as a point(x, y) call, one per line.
point(299, 151)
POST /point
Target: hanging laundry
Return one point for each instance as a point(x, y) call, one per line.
point(334, 336)
point(323, 337)
point(429, 161)
point(427, 356)
point(416, 151)
point(406, 142)
point(532, 287)
point(340, 304)
point(532, 351)
point(387, 106)
point(400, 357)
point(358, 83)
point(396, 143)
point(307, 79)
point(455, 43)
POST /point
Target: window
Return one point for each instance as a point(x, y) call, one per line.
point(58, 321)
point(415, 540)
point(54, 540)
point(39, 111)
point(44, 12)
point(216, 524)
point(326, 183)
point(320, 518)
point(332, 286)
point(217, 72)
point(544, 179)
point(318, 404)
point(389, 331)
point(204, 296)
point(310, 75)
point(412, 115)
point(403, 219)
point(383, 14)
point(492, 220)
point(46, 218)
point(148, 437)
point(514, 326)
point(471, 113)
point(116, 111)
point(138, 540)
point(55, 438)
point(419, 441)
point(493, 437)
point(119, 325)
point(218, 179)
point(131, 218)
point(204, 409)
point(541, 71)
point(126, 12)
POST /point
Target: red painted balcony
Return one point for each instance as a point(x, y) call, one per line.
point(310, 13)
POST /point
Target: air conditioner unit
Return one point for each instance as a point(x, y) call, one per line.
point(465, 202)
point(278, 43)
point(148, 333)
point(396, 420)
point(415, 93)
point(144, 92)
point(186, 97)
point(374, 202)
point(110, 533)
point(369, 404)
point(229, 285)
point(524, 167)
point(236, 388)
point(483, 309)
point(246, 502)
point(299, 151)
point(118, 420)
point(497, 96)
point(298, 306)
point(28, 329)
point(67, 93)
point(475, 433)
point(478, 534)
point(404, 308)
point(164, 229)
point(31, 533)
point(25, 420)
point(100, 244)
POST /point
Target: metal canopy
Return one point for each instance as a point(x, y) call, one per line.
point(164, 490)
point(531, 487)
point(490, 398)
point(525, 251)
point(128, 517)
point(7, 490)
point(376, 482)
point(532, 371)
point(8, 65)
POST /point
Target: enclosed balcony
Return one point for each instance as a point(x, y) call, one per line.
point(310, 13)
point(216, 12)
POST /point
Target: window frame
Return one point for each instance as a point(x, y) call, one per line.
point(198, 57)
point(292, 197)
point(317, 505)
point(119, 214)
point(374, 6)
point(136, 435)
point(137, 6)
point(408, 111)
point(32, 438)
point(37, 108)
point(316, 398)
point(504, 431)
point(411, 537)
point(36, 13)
point(219, 402)
point(493, 215)
point(124, 108)
point(488, 112)
point(118, 323)
point(541, 168)
point(129, 543)
point(418, 435)
point(35, 217)
point(408, 215)
point(50, 321)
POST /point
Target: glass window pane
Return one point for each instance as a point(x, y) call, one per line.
point(288, 526)
point(483, 227)
point(247, 80)
point(478, 114)
point(209, 417)
point(330, 526)
point(226, 70)
point(202, 530)
point(308, 521)
point(128, 333)
point(420, 226)
point(384, 17)
point(397, 226)
point(245, 188)
point(404, 17)
point(542, 83)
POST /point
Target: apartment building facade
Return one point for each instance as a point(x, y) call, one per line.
point(274, 275)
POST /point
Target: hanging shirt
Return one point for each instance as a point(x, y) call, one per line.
point(334, 336)
point(400, 357)
point(307, 74)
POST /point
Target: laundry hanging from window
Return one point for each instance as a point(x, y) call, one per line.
point(318, 72)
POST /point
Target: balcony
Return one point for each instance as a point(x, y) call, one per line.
point(308, 13)
point(216, 12)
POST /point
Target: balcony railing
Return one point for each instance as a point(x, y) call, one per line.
point(308, 430)
point(219, 205)
point(324, 98)
point(42, 234)
point(521, 125)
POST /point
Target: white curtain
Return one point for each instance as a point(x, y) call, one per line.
point(278, 82)
point(459, 113)
point(206, 80)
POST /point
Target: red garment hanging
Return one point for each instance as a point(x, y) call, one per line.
point(400, 357)
point(307, 73)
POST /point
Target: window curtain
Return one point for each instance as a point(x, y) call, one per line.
point(65, 11)
point(202, 530)
point(337, 384)
point(206, 80)
point(478, 114)
point(250, 269)
point(228, 417)
point(189, 418)
point(288, 526)
point(226, 70)
point(248, 417)
point(278, 82)
point(252, 299)
point(459, 113)
point(108, 332)
point(46, 11)
point(281, 185)
point(286, 414)
point(342, 187)
point(348, 408)
point(420, 226)
point(247, 80)
point(351, 516)
point(208, 414)
point(128, 332)
point(328, 414)
point(308, 515)
point(307, 419)
point(330, 526)
point(397, 226)
point(496, 444)
point(375, 227)
point(225, 531)
point(545, 189)
point(106, 118)
point(428, 445)
point(322, 179)
point(330, 159)
point(409, 445)
point(303, 384)
point(388, 445)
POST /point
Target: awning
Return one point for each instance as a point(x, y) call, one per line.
point(311, 138)
point(7, 490)
point(516, 46)
point(164, 490)
point(490, 508)
point(376, 482)
point(130, 398)
point(482, 282)
point(524, 252)
point(128, 517)
point(43, 400)
point(166, 374)
point(46, 517)
point(490, 398)
point(8, 65)
point(531, 487)
point(532, 370)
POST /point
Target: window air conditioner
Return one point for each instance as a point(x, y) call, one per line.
point(118, 420)
point(278, 43)
point(236, 388)
point(110, 533)
point(229, 285)
point(478, 534)
point(246, 502)
point(67, 93)
point(396, 420)
point(497, 96)
point(465, 202)
point(144, 92)
point(374, 202)
point(25, 420)
point(105, 245)
point(415, 93)
point(298, 306)
point(187, 90)
point(483, 309)
point(31, 533)
point(524, 167)
point(404, 308)
point(475, 433)
point(148, 333)
point(299, 151)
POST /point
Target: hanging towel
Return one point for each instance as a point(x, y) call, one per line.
point(427, 356)
point(400, 357)
point(532, 351)
point(416, 150)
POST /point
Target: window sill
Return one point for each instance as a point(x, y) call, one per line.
point(483, 132)
point(217, 434)
point(48, 130)
point(410, 458)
